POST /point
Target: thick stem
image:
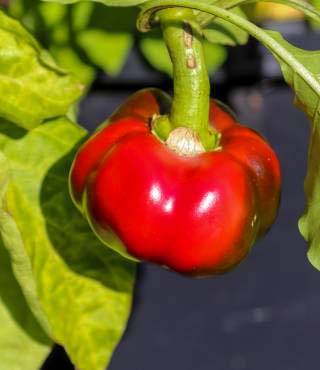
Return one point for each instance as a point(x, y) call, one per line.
point(190, 106)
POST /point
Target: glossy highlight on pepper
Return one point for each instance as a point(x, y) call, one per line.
point(196, 215)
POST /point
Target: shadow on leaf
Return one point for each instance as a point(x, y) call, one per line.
point(12, 297)
point(11, 130)
point(72, 237)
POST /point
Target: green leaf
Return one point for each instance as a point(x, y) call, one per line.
point(55, 26)
point(309, 224)
point(50, 13)
point(315, 24)
point(155, 51)
point(215, 56)
point(105, 2)
point(70, 59)
point(83, 288)
point(81, 14)
point(97, 44)
point(107, 35)
point(92, 34)
point(308, 99)
point(222, 32)
point(20, 262)
point(301, 71)
point(32, 87)
point(23, 344)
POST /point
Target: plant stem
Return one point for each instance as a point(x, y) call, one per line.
point(190, 106)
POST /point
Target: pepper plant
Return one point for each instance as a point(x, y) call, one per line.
point(59, 282)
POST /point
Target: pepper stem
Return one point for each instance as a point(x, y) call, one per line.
point(190, 106)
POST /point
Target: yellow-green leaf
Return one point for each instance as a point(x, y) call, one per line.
point(32, 87)
point(81, 287)
point(23, 344)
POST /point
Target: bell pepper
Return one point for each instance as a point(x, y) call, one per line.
point(198, 215)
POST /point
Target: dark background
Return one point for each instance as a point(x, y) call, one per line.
point(265, 314)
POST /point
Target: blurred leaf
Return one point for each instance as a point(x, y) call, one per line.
point(52, 13)
point(315, 24)
point(156, 53)
point(92, 34)
point(51, 23)
point(81, 14)
point(97, 44)
point(82, 287)
point(105, 2)
point(276, 12)
point(32, 87)
point(69, 59)
point(215, 56)
point(107, 36)
point(222, 32)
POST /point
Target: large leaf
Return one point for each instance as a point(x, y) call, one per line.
point(32, 87)
point(23, 344)
point(83, 288)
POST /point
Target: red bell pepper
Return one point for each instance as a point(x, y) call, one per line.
point(196, 215)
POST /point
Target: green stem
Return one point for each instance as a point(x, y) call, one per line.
point(190, 106)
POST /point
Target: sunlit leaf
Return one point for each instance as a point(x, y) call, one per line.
point(82, 288)
point(32, 87)
point(23, 344)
